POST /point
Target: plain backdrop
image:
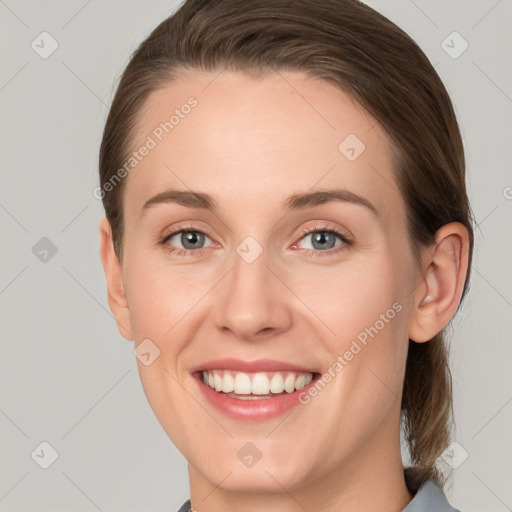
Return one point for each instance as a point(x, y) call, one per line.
point(67, 376)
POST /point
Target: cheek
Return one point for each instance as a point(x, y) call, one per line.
point(364, 321)
point(364, 308)
point(350, 298)
point(162, 301)
point(161, 295)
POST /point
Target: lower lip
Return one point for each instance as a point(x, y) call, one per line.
point(260, 409)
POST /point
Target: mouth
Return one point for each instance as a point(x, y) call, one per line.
point(255, 385)
point(253, 391)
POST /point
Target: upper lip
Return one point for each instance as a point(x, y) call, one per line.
point(258, 365)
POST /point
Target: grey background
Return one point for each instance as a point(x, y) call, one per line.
point(70, 379)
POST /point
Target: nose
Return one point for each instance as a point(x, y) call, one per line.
point(253, 301)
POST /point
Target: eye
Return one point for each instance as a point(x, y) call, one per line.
point(323, 239)
point(186, 241)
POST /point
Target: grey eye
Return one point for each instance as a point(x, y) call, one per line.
point(322, 240)
point(188, 239)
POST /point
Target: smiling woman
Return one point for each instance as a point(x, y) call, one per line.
point(292, 250)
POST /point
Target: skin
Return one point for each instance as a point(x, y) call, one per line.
point(251, 143)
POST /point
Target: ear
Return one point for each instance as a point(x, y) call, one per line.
point(114, 277)
point(446, 267)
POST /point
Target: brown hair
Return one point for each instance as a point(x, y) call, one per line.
point(352, 46)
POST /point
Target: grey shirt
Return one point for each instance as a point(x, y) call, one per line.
point(428, 498)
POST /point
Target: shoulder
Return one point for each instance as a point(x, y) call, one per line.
point(429, 498)
point(185, 507)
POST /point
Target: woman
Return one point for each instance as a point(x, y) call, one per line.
point(287, 234)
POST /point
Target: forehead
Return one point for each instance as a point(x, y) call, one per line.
point(237, 138)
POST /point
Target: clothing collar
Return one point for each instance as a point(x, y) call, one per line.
point(427, 497)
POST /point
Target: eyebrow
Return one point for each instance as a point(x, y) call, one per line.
point(193, 199)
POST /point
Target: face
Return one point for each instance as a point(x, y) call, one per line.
point(260, 282)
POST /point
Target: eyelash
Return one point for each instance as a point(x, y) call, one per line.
point(307, 231)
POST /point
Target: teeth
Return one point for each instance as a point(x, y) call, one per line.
point(217, 380)
point(242, 384)
point(289, 383)
point(277, 383)
point(261, 383)
point(228, 383)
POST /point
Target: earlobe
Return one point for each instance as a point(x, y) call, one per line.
point(114, 278)
point(443, 282)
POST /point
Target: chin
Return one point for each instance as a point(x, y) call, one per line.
point(256, 481)
point(270, 474)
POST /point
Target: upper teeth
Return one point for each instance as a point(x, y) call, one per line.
point(260, 383)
